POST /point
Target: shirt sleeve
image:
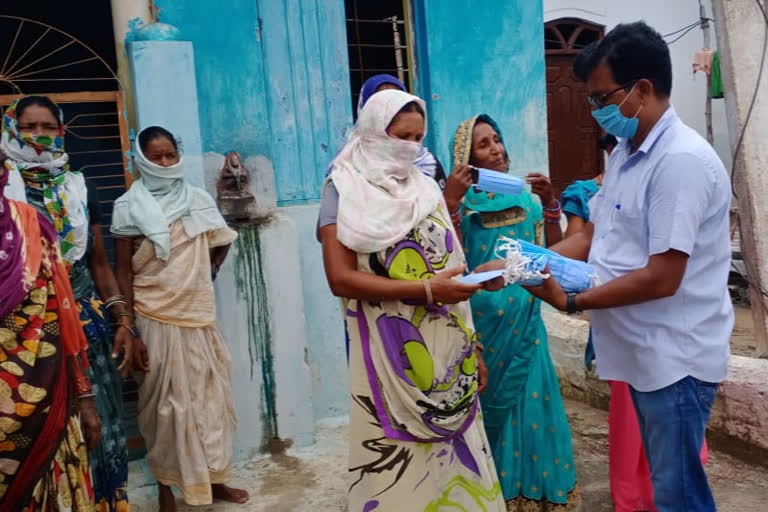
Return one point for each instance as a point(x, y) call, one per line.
point(679, 195)
point(329, 206)
point(574, 201)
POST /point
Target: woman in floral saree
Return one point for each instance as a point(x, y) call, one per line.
point(39, 174)
point(44, 390)
point(416, 436)
point(524, 415)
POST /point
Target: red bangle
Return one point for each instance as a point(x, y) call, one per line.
point(82, 385)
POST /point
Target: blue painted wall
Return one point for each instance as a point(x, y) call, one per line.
point(484, 59)
point(273, 80)
point(229, 71)
point(305, 65)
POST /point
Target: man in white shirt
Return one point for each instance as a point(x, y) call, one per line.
point(659, 241)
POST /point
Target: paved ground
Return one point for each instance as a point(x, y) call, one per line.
point(743, 337)
point(314, 479)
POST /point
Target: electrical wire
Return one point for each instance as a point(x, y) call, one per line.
point(688, 27)
point(697, 25)
point(740, 141)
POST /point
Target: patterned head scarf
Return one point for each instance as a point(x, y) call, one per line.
point(461, 150)
point(461, 146)
point(373, 83)
point(40, 162)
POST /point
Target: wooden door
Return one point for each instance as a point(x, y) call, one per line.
point(572, 132)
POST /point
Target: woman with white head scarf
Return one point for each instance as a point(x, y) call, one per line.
point(425, 161)
point(170, 239)
point(416, 438)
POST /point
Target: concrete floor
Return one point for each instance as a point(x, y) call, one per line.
point(314, 479)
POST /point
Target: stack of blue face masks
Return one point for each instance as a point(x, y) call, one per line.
point(526, 263)
point(498, 182)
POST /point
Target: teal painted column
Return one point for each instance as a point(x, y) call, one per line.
point(307, 75)
point(165, 94)
point(473, 60)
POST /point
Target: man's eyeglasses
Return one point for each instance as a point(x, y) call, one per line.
point(598, 101)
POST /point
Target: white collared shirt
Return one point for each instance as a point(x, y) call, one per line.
point(673, 193)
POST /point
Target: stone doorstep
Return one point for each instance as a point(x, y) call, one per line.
point(739, 420)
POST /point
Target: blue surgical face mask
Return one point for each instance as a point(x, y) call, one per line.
point(614, 122)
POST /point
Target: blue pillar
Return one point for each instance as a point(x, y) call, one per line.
point(166, 95)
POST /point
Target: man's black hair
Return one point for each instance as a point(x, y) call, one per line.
point(607, 141)
point(632, 51)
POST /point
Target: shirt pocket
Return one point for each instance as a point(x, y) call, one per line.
point(626, 240)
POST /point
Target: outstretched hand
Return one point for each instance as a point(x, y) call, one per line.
point(550, 292)
point(496, 284)
point(447, 290)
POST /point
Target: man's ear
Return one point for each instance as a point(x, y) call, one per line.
point(645, 87)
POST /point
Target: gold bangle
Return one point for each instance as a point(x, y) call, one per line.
point(428, 289)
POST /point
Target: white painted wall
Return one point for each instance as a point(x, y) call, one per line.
point(688, 91)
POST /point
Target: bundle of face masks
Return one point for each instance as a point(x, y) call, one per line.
point(526, 262)
point(498, 182)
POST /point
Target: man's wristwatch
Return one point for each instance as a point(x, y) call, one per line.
point(570, 304)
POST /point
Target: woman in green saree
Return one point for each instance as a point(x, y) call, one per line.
point(524, 415)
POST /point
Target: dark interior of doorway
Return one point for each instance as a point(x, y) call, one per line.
point(39, 55)
point(94, 143)
point(371, 42)
point(90, 21)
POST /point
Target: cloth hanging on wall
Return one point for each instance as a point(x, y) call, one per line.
point(716, 79)
point(702, 61)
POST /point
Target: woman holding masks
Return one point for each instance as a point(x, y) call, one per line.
point(425, 161)
point(416, 440)
point(38, 167)
point(171, 238)
point(523, 411)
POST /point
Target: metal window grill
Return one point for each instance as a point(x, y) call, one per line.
point(38, 58)
point(378, 41)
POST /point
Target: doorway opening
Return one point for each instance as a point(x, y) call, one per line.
point(572, 132)
point(379, 40)
point(59, 53)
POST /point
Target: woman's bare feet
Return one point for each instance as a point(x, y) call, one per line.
point(167, 499)
point(225, 493)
